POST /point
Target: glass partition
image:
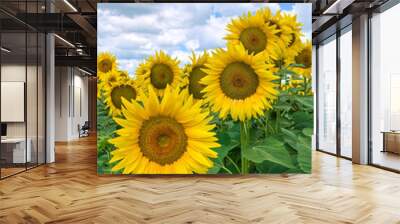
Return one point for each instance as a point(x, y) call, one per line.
point(327, 95)
point(385, 89)
point(22, 78)
point(13, 86)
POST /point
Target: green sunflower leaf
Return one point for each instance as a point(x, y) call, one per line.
point(271, 149)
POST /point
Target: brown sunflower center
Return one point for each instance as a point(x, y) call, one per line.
point(292, 40)
point(253, 39)
point(162, 140)
point(105, 65)
point(304, 58)
point(161, 75)
point(126, 91)
point(239, 80)
point(195, 87)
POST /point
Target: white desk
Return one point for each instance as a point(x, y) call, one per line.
point(19, 155)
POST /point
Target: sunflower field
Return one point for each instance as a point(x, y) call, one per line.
point(245, 108)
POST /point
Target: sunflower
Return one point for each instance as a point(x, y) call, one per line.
point(160, 70)
point(280, 23)
point(106, 81)
point(294, 28)
point(141, 69)
point(124, 88)
point(238, 83)
point(193, 73)
point(304, 57)
point(168, 136)
point(123, 74)
point(280, 58)
point(301, 85)
point(253, 33)
point(105, 63)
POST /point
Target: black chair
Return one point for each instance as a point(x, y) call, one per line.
point(84, 130)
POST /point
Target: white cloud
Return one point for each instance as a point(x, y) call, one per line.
point(303, 12)
point(134, 31)
point(128, 65)
point(192, 44)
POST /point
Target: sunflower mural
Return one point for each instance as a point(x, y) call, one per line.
point(242, 107)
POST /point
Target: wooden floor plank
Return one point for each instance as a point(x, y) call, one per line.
point(70, 191)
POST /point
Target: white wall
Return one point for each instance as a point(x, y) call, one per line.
point(61, 103)
point(71, 102)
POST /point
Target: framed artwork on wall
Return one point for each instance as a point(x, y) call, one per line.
point(195, 88)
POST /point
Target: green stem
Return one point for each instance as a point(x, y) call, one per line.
point(278, 117)
point(234, 164)
point(244, 145)
point(226, 169)
point(266, 122)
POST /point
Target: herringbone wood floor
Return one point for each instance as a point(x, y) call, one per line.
point(70, 191)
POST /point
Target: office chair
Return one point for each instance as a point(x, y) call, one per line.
point(84, 130)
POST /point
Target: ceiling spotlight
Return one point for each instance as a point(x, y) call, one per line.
point(65, 41)
point(70, 5)
point(5, 50)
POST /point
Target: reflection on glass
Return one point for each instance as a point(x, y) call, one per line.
point(327, 96)
point(386, 89)
point(346, 94)
point(13, 84)
point(22, 91)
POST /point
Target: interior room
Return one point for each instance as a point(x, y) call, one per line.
point(56, 166)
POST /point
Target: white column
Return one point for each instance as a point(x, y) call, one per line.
point(360, 90)
point(50, 94)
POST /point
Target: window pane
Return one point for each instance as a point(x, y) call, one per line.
point(386, 89)
point(327, 96)
point(346, 93)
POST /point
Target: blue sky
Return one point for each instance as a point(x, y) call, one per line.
point(133, 31)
